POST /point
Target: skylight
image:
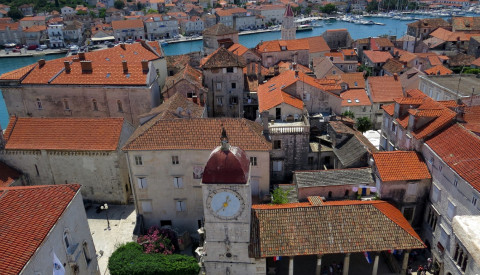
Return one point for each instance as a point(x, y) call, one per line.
point(108, 75)
point(355, 83)
point(349, 100)
point(127, 75)
point(106, 58)
point(356, 100)
point(135, 53)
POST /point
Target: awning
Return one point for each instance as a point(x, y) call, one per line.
point(106, 38)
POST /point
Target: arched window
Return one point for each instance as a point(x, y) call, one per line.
point(66, 239)
point(66, 105)
point(94, 104)
point(119, 106)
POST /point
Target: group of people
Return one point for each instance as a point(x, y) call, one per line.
point(422, 269)
point(333, 269)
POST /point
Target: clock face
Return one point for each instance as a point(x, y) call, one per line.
point(225, 204)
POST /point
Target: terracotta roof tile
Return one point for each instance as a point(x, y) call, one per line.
point(400, 166)
point(7, 175)
point(333, 227)
point(441, 33)
point(219, 29)
point(35, 29)
point(355, 97)
point(438, 70)
point(28, 215)
point(73, 134)
point(312, 44)
point(127, 24)
point(107, 68)
point(384, 88)
point(238, 49)
point(222, 58)
point(199, 133)
point(389, 109)
point(354, 80)
point(377, 56)
point(416, 93)
point(459, 149)
point(177, 106)
point(18, 74)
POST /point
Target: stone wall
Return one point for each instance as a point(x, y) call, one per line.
point(220, 76)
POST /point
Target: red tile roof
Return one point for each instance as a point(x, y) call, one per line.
point(312, 44)
point(400, 166)
point(28, 213)
point(107, 68)
point(271, 94)
point(389, 109)
point(377, 56)
point(199, 133)
point(355, 97)
point(238, 49)
point(460, 150)
point(18, 74)
point(8, 175)
point(333, 227)
point(72, 134)
point(222, 58)
point(127, 24)
point(384, 88)
point(438, 70)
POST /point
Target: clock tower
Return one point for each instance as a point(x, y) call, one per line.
point(227, 202)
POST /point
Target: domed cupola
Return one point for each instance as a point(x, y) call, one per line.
point(226, 164)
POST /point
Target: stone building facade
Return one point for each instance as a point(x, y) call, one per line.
point(217, 34)
point(71, 150)
point(166, 175)
point(224, 78)
point(86, 86)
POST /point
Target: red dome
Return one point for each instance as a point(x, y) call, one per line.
point(227, 166)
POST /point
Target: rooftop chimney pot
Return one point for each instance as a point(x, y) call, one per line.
point(67, 66)
point(86, 66)
point(125, 66)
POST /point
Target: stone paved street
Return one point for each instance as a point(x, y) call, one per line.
point(122, 222)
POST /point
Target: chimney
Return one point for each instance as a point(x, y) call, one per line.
point(67, 66)
point(395, 76)
point(81, 56)
point(294, 66)
point(249, 69)
point(75, 59)
point(86, 66)
point(296, 74)
point(276, 70)
point(125, 66)
point(41, 62)
point(145, 66)
point(122, 45)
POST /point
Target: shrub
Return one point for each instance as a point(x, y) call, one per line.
point(129, 259)
point(280, 196)
point(156, 242)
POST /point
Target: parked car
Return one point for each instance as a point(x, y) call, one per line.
point(16, 50)
point(19, 47)
point(32, 47)
point(129, 41)
point(111, 45)
point(43, 47)
point(39, 49)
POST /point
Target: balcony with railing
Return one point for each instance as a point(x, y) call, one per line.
point(290, 125)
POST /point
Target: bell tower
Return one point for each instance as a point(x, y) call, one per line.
point(227, 202)
point(288, 24)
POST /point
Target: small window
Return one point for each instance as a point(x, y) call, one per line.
point(36, 169)
point(146, 206)
point(329, 194)
point(119, 106)
point(138, 160)
point(306, 96)
point(253, 161)
point(233, 100)
point(178, 182)
point(39, 104)
point(277, 144)
point(66, 105)
point(175, 160)
point(234, 85)
point(440, 167)
point(277, 166)
point(455, 182)
point(230, 70)
point(310, 160)
point(451, 210)
point(86, 253)
point(95, 105)
point(165, 223)
point(181, 206)
point(220, 101)
point(66, 239)
point(408, 213)
point(218, 85)
point(474, 200)
point(142, 182)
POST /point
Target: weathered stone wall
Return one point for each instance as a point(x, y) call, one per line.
point(100, 173)
point(271, 58)
point(22, 101)
point(293, 152)
point(226, 108)
point(73, 221)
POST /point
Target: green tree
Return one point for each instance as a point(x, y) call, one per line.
point(363, 124)
point(102, 13)
point(372, 6)
point(279, 195)
point(119, 4)
point(15, 14)
point(349, 114)
point(329, 8)
point(367, 70)
point(152, 11)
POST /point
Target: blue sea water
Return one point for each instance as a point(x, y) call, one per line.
point(391, 27)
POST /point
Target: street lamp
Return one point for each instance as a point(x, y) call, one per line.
point(105, 207)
